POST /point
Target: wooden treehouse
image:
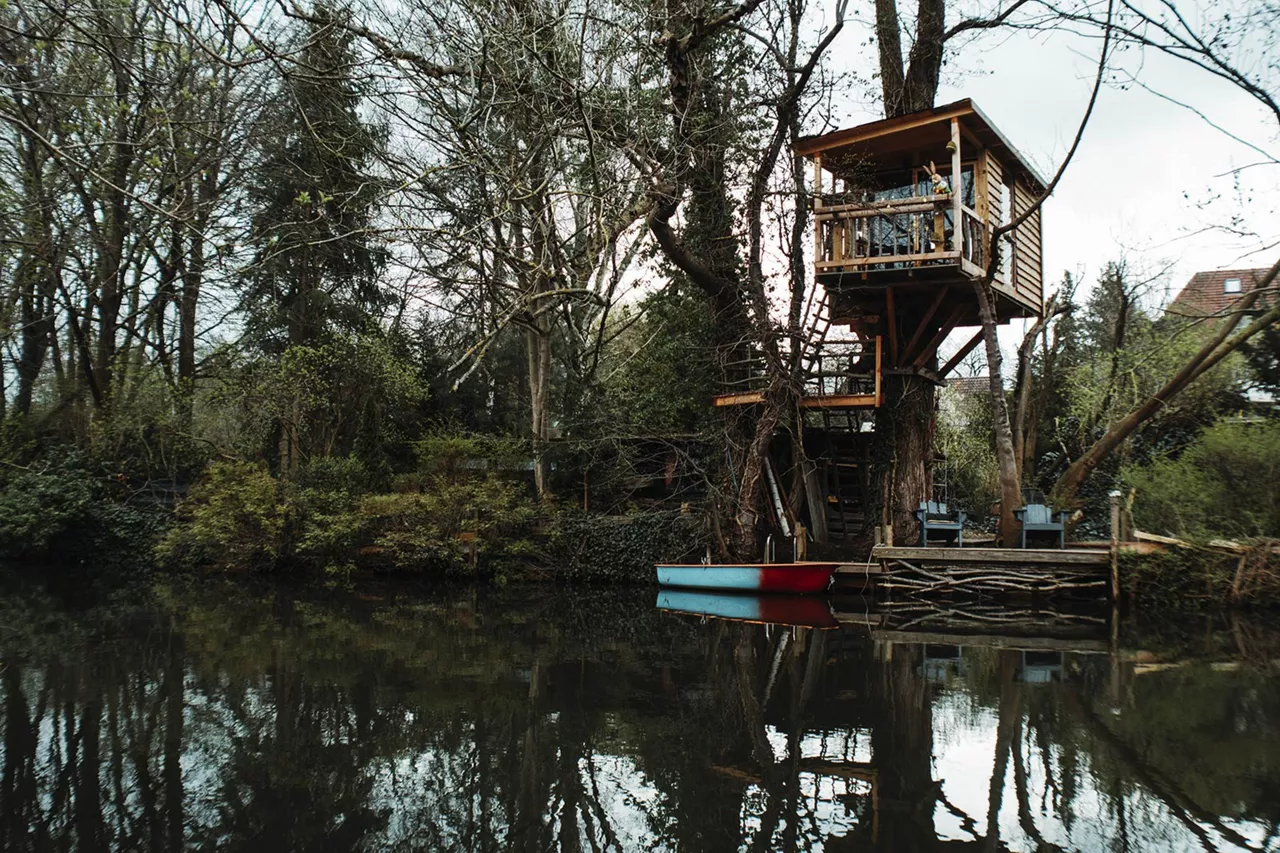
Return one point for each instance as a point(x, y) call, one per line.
point(904, 209)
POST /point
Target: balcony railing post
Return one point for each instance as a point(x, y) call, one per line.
point(817, 208)
point(879, 399)
point(957, 187)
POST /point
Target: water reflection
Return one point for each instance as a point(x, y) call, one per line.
point(216, 717)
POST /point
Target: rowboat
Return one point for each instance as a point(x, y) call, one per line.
point(805, 611)
point(756, 577)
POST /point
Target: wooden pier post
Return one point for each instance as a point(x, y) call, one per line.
point(1115, 544)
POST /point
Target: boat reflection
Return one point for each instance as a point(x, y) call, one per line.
point(804, 611)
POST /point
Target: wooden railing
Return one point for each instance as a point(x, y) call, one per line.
point(834, 374)
point(840, 369)
point(909, 231)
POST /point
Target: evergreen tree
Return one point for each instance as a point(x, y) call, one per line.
point(317, 261)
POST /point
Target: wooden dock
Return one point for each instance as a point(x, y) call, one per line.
point(915, 570)
point(992, 556)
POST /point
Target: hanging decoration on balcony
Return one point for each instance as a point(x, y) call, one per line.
point(940, 185)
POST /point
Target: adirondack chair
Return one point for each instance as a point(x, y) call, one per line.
point(934, 515)
point(1037, 517)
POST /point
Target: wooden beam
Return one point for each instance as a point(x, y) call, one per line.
point(738, 399)
point(960, 354)
point(924, 321)
point(833, 401)
point(839, 401)
point(915, 204)
point(892, 317)
point(884, 127)
point(932, 347)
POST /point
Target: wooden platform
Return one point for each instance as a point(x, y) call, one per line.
point(1051, 557)
point(992, 571)
point(832, 401)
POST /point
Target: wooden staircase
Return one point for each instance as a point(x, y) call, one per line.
point(848, 461)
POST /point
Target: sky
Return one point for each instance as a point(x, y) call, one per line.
point(1145, 167)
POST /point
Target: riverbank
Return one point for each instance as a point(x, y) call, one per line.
point(332, 524)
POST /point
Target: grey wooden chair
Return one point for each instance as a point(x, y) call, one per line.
point(1040, 518)
point(934, 516)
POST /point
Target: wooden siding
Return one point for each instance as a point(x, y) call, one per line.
point(1028, 274)
point(994, 180)
point(993, 201)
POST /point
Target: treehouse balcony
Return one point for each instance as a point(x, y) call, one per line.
point(906, 207)
point(834, 374)
point(901, 235)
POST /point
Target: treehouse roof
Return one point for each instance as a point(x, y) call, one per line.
point(914, 139)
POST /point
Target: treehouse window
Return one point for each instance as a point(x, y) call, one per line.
point(913, 183)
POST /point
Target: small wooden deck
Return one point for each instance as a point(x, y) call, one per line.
point(995, 571)
point(993, 556)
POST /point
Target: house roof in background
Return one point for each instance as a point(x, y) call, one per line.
point(1205, 294)
point(966, 385)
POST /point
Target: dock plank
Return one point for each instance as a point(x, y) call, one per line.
point(859, 569)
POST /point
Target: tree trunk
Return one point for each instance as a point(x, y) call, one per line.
point(902, 445)
point(538, 343)
point(1010, 485)
point(36, 278)
point(188, 302)
point(902, 451)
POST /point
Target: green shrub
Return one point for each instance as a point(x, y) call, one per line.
point(1226, 483)
point(420, 530)
point(336, 474)
point(61, 508)
point(46, 501)
point(964, 436)
point(236, 517)
point(240, 516)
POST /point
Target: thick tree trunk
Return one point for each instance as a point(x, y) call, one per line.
point(902, 451)
point(902, 447)
point(36, 316)
point(914, 87)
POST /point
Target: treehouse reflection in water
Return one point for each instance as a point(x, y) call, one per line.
point(531, 719)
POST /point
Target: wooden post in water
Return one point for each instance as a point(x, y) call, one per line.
point(1115, 544)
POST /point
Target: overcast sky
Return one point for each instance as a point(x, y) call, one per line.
point(1144, 166)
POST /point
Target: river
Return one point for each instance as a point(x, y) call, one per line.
point(236, 714)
